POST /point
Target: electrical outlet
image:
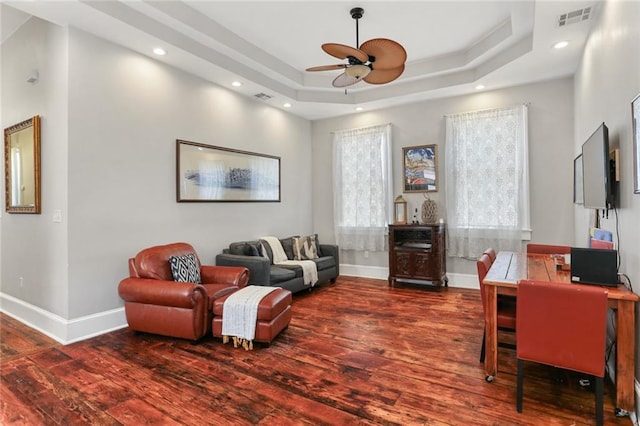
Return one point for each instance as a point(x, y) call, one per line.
point(57, 216)
point(366, 253)
point(21, 282)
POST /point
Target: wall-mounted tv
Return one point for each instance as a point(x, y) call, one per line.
point(596, 171)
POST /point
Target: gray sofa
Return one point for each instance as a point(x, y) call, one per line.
point(262, 271)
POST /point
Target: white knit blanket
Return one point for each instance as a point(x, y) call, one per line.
point(240, 311)
point(309, 270)
point(309, 267)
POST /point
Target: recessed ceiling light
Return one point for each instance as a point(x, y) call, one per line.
point(287, 105)
point(159, 51)
point(236, 84)
point(359, 108)
point(480, 87)
point(561, 44)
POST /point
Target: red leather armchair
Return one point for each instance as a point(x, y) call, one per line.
point(155, 303)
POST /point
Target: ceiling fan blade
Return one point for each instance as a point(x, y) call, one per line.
point(327, 67)
point(344, 80)
point(342, 51)
point(388, 54)
point(384, 76)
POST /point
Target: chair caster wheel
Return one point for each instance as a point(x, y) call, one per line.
point(489, 379)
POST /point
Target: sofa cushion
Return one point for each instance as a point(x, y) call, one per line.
point(185, 268)
point(287, 245)
point(305, 248)
point(253, 249)
point(237, 248)
point(297, 269)
point(279, 274)
point(319, 250)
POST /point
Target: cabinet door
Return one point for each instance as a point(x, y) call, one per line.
point(423, 265)
point(403, 263)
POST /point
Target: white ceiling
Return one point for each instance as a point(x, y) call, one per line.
point(452, 46)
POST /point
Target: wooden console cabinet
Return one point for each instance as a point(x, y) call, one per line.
point(417, 254)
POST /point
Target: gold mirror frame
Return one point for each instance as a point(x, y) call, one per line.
point(22, 166)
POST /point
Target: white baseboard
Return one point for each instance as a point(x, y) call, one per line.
point(363, 271)
point(382, 273)
point(59, 329)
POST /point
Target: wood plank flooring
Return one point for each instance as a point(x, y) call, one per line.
point(356, 352)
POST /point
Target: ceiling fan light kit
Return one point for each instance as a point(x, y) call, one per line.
point(377, 61)
point(358, 71)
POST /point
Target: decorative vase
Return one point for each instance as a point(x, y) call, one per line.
point(429, 211)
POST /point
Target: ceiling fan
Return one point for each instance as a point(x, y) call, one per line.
point(377, 61)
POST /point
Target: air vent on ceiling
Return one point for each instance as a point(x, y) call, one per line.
point(263, 96)
point(574, 17)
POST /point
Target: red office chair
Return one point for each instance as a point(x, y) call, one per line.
point(562, 325)
point(491, 253)
point(548, 249)
point(506, 320)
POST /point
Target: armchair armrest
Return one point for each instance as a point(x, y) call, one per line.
point(259, 267)
point(232, 275)
point(164, 293)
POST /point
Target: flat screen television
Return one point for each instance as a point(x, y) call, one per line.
point(596, 171)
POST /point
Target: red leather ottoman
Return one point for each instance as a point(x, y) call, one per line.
point(274, 315)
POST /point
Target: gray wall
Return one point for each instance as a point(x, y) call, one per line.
point(607, 80)
point(117, 164)
point(550, 157)
point(33, 247)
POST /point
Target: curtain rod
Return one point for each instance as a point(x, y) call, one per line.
point(360, 128)
point(486, 109)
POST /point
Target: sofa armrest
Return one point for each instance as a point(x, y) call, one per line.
point(333, 251)
point(163, 293)
point(259, 267)
point(233, 275)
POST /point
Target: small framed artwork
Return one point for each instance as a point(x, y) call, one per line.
point(420, 168)
point(635, 119)
point(206, 173)
point(578, 192)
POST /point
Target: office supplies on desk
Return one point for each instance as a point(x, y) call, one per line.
point(594, 266)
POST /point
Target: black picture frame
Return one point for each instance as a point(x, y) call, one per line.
point(420, 168)
point(207, 173)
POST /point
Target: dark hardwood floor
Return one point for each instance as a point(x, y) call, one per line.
point(356, 352)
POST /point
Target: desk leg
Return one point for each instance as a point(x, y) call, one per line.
point(625, 355)
point(491, 332)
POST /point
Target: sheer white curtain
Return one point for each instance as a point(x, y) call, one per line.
point(362, 187)
point(487, 180)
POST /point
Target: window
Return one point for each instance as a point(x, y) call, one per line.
point(362, 187)
point(487, 185)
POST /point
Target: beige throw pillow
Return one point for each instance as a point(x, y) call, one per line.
point(304, 248)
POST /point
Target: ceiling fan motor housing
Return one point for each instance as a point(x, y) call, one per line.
point(357, 12)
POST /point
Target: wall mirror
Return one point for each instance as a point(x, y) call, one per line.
point(22, 166)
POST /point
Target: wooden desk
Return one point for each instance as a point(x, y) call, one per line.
point(503, 278)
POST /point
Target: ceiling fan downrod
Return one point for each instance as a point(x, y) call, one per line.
point(356, 13)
